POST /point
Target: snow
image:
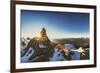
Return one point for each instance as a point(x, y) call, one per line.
point(76, 56)
point(69, 46)
point(28, 54)
point(42, 46)
point(57, 56)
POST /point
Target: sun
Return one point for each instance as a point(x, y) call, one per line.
point(39, 36)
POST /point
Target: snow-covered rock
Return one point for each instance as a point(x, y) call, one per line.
point(24, 43)
point(69, 46)
point(27, 55)
point(76, 55)
point(57, 56)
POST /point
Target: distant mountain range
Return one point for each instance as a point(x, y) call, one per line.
point(83, 42)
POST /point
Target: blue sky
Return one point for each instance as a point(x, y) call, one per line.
point(57, 24)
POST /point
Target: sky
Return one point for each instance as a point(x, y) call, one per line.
point(57, 24)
